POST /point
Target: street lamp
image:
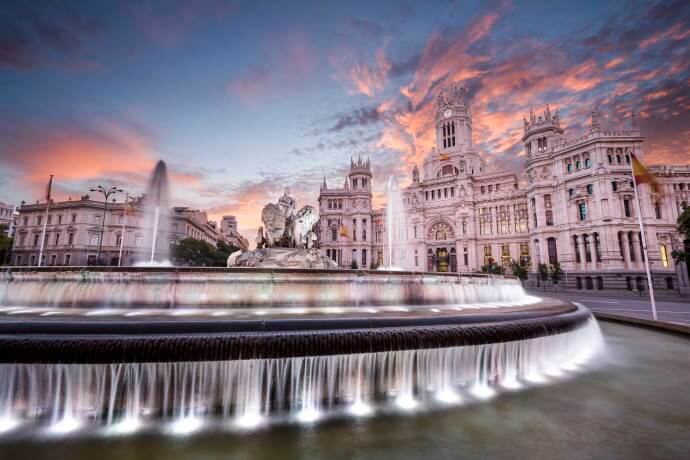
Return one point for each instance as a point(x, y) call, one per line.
point(106, 193)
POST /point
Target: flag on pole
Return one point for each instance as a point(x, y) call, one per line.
point(48, 188)
point(642, 176)
point(443, 157)
point(343, 231)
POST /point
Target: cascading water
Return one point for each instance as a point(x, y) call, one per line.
point(396, 226)
point(124, 397)
point(157, 206)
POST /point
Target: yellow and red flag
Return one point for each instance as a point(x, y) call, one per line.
point(343, 231)
point(642, 176)
point(443, 157)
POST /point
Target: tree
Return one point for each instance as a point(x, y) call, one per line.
point(5, 249)
point(683, 225)
point(492, 269)
point(353, 265)
point(556, 273)
point(543, 273)
point(194, 253)
point(222, 252)
point(519, 268)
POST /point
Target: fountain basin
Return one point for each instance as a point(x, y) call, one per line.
point(70, 361)
point(175, 287)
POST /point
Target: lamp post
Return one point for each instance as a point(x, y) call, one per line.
point(106, 193)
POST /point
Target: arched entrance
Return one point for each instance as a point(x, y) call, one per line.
point(441, 252)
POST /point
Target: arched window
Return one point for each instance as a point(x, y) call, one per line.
point(588, 283)
point(578, 282)
point(639, 284)
point(600, 283)
point(628, 283)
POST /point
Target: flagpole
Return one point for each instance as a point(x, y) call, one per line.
point(45, 222)
point(643, 238)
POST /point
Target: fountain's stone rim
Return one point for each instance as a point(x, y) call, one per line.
point(32, 342)
point(357, 273)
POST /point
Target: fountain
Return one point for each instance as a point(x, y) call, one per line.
point(120, 350)
point(396, 223)
point(156, 209)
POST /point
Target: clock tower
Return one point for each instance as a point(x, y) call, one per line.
point(453, 121)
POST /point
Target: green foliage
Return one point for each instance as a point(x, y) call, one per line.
point(197, 253)
point(555, 272)
point(354, 265)
point(5, 249)
point(492, 269)
point(543, 271)
point(519, 268)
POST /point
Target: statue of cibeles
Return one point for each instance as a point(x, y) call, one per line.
point(287, 204)
point(274, 225)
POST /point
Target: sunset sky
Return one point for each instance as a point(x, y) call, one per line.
point(244, 98)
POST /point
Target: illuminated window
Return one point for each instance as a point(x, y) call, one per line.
point(664, 255)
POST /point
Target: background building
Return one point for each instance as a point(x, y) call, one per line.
point(577, 207)
point(229, 232)
point(74, 228)
point(7, 219)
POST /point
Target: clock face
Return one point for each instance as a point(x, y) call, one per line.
point(448, 113)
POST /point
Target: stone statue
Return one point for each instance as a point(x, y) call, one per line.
point(274, 225)
point(288, 239)
point(287, 205)
point(306, 222)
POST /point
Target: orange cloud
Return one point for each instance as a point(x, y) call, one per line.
point(360, 77)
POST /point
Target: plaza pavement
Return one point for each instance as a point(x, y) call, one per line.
point(669, 309)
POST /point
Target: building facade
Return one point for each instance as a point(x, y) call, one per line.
point(230, 233)
point(74, 229)
point(576, 206)
point(7, 219)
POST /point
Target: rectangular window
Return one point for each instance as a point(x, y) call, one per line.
point(664, 255)
point(569, 167)
point(590, 188)
point(626, 207)
point(138, 240)
point(505, 255)
point(39, 219)
point(93, 239)
point(582, 209)
point(68, 258)
point(36, 237)
point(487, 255)
point(70, 238)
point(60, 219)
point(57, 239)
point(354, 229)
point(364, 229)
point(614, 185)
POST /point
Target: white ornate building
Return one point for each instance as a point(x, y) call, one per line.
point(577, 206)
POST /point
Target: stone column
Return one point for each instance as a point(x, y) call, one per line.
point(636, 248)
point(626, 249)
point(581, 247)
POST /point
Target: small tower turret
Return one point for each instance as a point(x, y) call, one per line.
point(539, 132)
point(360, 175)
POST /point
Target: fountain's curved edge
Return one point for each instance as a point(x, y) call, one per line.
point(175, 341)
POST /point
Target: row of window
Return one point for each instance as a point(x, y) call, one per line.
point(506, 256)
point(448, 135)
point(490, 188)
point(363, 181)
point(335, 204)
point(438, 194)
point(618, 157)
point(576, 164)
